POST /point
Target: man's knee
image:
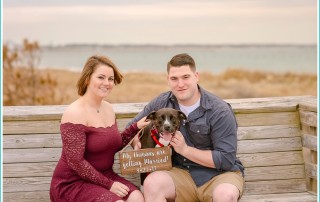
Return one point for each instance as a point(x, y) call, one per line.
point(153, 182)
point(159, 181)
point(136, 196)
point(225, 192)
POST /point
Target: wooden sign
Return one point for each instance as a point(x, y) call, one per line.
point(145, 160)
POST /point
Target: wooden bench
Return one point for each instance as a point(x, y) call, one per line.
point(277, 143)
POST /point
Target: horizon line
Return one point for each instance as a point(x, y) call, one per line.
point(180, 45)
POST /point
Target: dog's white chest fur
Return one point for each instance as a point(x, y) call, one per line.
point(164, 142)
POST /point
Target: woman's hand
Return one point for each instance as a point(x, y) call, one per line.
point(119, 189)
point(142, 122)
point(136, 144)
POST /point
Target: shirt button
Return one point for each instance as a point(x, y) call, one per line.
point(188, 166)
point(184, 159)
point(198, 131)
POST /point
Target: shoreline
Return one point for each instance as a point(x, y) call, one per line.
point(215, 59)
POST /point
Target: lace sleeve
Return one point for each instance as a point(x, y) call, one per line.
point(74, 143)
point(129, 133)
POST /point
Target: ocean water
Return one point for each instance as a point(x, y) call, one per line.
point(214, 59)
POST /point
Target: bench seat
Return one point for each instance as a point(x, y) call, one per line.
point(277, 144)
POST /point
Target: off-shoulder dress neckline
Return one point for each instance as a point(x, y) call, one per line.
point(86, 126)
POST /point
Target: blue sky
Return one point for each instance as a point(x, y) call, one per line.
point(58, 22)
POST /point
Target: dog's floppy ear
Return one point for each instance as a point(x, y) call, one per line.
point(152, 116)
point(182, 116)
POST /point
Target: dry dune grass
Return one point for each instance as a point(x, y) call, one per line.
point(233, 83)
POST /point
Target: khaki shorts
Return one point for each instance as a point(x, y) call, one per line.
point(186, 189)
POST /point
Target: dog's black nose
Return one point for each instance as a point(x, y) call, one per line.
point(167, 128)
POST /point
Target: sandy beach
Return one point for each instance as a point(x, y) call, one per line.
point(233, 83)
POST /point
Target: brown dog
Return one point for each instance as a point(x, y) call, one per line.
point(164, 123)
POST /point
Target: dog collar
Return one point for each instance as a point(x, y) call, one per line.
point(154, 134)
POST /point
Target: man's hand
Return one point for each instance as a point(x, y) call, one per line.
point(202, 157)
point(178, 143)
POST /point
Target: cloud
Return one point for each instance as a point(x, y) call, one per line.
point(167, 10)
point(189, 21)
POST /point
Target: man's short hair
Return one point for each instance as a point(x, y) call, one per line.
point(180, 60)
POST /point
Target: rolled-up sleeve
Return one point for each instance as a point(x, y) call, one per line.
point(224, 138)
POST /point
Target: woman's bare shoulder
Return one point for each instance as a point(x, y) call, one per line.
point(74, 113)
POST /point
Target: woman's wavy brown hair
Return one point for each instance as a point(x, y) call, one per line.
point(90, 67)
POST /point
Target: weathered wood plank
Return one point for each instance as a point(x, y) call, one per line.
point(309, 104)
point(45, 169)
point(279, 99)
point(274, 173)
point(273, 131)
point(265, 173)
point(31, 155)
point(122, 123)
point(44, 127)
point(311, 170)
point(271, 159)
point(31, 141)
point(249, 160)
point(34, 127)
point(249, 105)
point(308, 118)
point(261, 107)
point(270, 104)
point(33, 113)
point(52, 126)
point(54, 112)
point(267, 119)
point(312, 185)
point(310, 142)
point(244, 146)
point(287, 197)
point(38, 169)
point(276, 186)
point(310, 130)
point(269, 145)
point(26, 184)
point(54, 140)
point(32, 196)
point(128, 110)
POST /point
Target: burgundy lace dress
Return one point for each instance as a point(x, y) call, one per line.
point(84, 172)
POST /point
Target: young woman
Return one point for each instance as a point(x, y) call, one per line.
point(90, 140)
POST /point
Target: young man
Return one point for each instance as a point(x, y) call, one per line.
point(205, 167)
